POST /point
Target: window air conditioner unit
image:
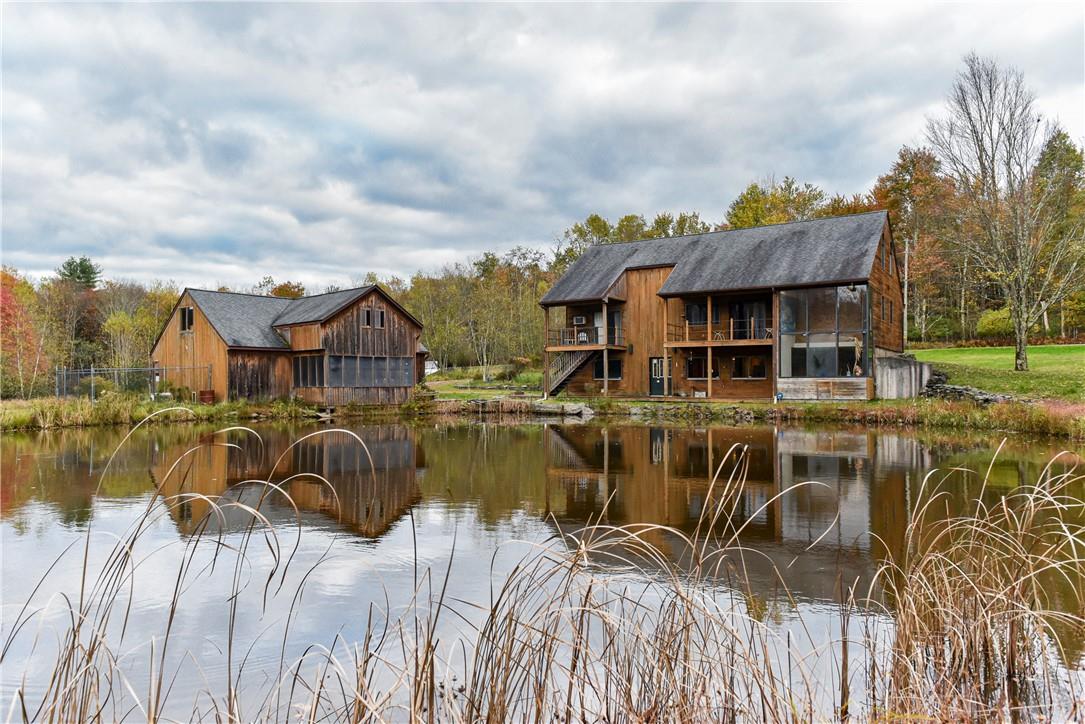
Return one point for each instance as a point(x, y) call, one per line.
point(577, 321)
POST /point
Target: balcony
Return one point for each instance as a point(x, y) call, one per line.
point(566, 338)
point(729, 332)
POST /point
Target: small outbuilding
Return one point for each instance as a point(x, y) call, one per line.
point(354, 345)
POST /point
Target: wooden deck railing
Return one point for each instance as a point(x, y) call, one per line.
point(576, 336)
point(728, 331)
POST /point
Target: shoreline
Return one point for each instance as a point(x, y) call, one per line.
point(1049, 418)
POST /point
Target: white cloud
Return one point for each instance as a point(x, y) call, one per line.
point(225, 142)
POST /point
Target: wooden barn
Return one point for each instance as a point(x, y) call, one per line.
point(806, 310)
point(355, 345)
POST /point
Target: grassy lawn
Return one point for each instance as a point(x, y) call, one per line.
point(1055, 371)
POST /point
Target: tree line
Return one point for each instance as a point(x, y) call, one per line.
point(988, 216)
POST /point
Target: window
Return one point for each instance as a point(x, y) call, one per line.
point(825, 332)
point(750, 319)
point(697, 312)
point(697, 366)
point(749, 367)
point(367, 317)
point(378, 318)
point(890, 310)
point(350, 371)
point(613, 373)
point(188, 316)
point(335, 371)
point(309, 370)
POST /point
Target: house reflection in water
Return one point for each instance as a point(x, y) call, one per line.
point(842, 523)
point(365, 493)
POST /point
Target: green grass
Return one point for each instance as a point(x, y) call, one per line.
point(1055, 371)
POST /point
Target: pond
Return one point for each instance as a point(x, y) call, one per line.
point(449, 504)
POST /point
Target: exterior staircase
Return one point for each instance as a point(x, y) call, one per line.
point(563, 365)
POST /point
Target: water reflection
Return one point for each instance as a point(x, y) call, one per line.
point(363, 481)
point(487, 484)
point(856, 513)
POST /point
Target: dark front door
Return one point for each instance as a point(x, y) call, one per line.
point(655, 376)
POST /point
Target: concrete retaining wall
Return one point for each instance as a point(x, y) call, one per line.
point(898, 378)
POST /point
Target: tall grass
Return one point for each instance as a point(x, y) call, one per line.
point(600, 624)
point(48, 413)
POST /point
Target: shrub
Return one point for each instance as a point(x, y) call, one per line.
point(995, 323)
point(95, 383)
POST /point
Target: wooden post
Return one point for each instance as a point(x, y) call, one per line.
point(708, 322)
point(546, 353)
point(732, 334)
point(606, 353)
point(709, 395)
point(775, 361)
point(666, 357)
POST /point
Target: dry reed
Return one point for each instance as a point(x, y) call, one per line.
point(601, 625)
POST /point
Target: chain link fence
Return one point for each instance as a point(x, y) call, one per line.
point(181, 383)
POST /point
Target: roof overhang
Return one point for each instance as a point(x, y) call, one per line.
point(779, 287)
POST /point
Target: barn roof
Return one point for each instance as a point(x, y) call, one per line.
point(243, 320)
point(839, 248)
point(250, 320)
point(319, 307)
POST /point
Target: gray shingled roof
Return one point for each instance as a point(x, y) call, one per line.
point(243, 320)
point(249, 320)
point(319, 307)
point(802, 252)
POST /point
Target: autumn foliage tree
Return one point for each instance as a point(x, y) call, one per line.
point(23, 363)
point(991, 140)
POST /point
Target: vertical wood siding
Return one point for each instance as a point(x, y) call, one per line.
point(888, 334)
point(344, 333)
point(199, 347)
point(258, 375)
point(305, 337)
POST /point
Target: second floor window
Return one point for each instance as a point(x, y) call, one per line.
point(378, 318)
point(188, 316)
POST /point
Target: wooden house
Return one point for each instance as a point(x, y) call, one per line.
point(355, 345)
point(804, 310)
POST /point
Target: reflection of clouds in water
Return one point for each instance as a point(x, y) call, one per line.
point(487, 486)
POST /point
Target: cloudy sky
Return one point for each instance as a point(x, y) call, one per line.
point(217, 143)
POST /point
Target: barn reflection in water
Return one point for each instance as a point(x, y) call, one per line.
point(364, 480)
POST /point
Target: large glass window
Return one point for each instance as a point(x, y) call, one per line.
point(825, 332)
point(749, 367)
point(309, 370)
point(615, 368)
point(697, 312)
point(697, 366)
point(350, 371)
point(750, 319)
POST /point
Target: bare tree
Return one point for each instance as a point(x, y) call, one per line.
point(990, 141)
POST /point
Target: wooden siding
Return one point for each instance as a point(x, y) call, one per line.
point(885, 283)
point(259, 375)
point(344, 333)
point(335, 396)
point(723, 387)
point(642, 328)
point(304, 336)
point(199, 347)
point(826, 388)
